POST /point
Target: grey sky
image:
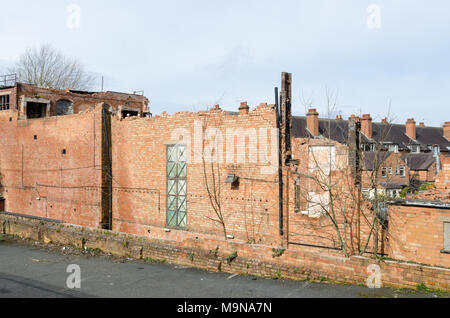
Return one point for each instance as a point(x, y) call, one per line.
point(191, 54)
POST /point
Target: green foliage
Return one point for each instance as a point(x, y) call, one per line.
point(277, 252)
point(154, 260)
point(279, 274)
point(426, 186)
point(191, 256)
point(215, 252)
point(422, 287)
point(232, 257)
point(404, 192)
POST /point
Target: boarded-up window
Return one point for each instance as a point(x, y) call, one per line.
point(447, 237)
point(322, 159)
point(64, 107)
point(318, 204)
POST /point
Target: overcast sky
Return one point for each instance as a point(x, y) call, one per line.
point(192, 54)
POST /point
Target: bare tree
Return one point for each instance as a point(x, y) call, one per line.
point(46, 67)
point(212, 174)
point(332, 192)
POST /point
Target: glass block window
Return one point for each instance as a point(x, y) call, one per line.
point(176, 186)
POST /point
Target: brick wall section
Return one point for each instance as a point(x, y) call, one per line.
point(42, 181)
point(417, 233)
point(81, 101)
point(212, 254)
point(305, 229)
point(139, 171)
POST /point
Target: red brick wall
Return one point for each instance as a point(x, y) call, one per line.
point(42, 181)
point(417, 234)
point(139, 170)
point(12, 92)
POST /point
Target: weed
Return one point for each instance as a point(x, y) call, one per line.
point(232, 257)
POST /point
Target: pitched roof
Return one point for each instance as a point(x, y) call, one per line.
point(419, 161)
point(370, 159)
point(337, 129)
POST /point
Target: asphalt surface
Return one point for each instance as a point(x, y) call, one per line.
point(33, 271)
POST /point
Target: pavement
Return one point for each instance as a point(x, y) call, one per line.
point(34, 271)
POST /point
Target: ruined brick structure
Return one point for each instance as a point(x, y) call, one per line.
point(420, 225)
point(100, 160)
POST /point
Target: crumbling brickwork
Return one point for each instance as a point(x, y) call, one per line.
point(97, 169)
point(250, 208)
point(21, 94)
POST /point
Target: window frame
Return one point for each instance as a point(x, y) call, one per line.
point(5, 102)
point(180, 225)
point(402, 171)
point(446, 249)
point(394, 146)
point(414, 148)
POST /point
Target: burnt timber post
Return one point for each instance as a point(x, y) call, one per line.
point(285, 128)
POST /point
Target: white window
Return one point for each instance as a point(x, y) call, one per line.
point(384, 172)
point(402, 171)
point(393, 148)
point(367, 147)
point(414, 148)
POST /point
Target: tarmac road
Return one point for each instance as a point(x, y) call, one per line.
point(33, 271)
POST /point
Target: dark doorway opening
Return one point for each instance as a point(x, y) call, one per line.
point(36, 110)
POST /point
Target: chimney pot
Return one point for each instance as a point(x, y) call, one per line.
point(411, 129)
point(312, 122)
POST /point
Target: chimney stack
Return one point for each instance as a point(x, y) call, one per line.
point(422, 124)
point(411, 129)
point(366, 125)
point(244, 109)
point(447, 130)
point(312, 121)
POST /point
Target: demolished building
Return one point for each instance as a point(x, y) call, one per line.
point(256, 176)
